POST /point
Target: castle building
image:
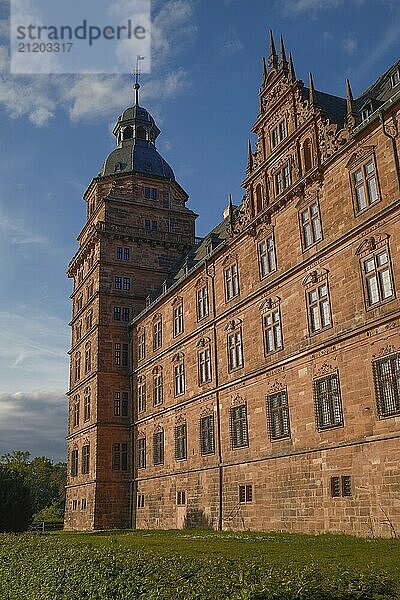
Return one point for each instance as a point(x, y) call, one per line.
point(251, 379)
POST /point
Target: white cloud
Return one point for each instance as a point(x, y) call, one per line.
point(18, 233)
point(349, 45)
point(232, 46)
point(309, 5)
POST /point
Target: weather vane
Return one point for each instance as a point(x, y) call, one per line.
point(136, 87)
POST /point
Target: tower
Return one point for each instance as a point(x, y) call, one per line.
point(137, 227)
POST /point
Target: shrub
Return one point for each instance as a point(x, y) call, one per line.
point(15, 501)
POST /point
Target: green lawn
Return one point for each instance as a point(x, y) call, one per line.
point(276, 548)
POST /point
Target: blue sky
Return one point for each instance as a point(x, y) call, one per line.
point(55, 134)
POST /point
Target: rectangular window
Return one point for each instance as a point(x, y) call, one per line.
point(235, 350)
point(207, 442)
point(278, 415)
point(74, 463)
point(76, 411)
point(319, 310)
point(274, 137)
point(365, 186)
point(272, 330)
point(158, 448)
point(85, 459)
point(181, 442)
point(341, 486)
point(157, 334)
point(142, 346)
point(150, 193)
point(147, 224)
point(278, 183)
point(245, 493)
point(88, 358)
point(179, 372)
point(117, 313)
point(89, 320)
point(142, 397)
point(125, 314)
point(118, 283)
point(205, 366)
point(238, 422)
point(202, 303)
point(127, 284)
point(83, 504)
point(311, 229)
point(120, 457)
point(283, 179)
point(231, 282)
point(278, 134)
point(387, 385)
point(267, 258)
point(181, 498)
point(125, 404)
point(118, 253)
point(178, 320)
point(125, 355)
point(117, 354)
point(158, 392)
point(86, 405)
point(140, 501)
point(126, 253)
point(117, 404)
point(378, 278)
point(141, 453)
point(328, 403)
point(74, 504)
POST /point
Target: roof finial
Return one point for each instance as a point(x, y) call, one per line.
point(264, 68)
point(311, 98)
point(351, 115)
point(292, 74)
point(249, 158)
point(230, 211)
point(282, 55)
point(273, 57)
point(136, 86)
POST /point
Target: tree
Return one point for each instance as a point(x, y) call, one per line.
point(16, 507)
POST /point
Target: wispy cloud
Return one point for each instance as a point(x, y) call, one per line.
point(17, 233)
point(34, 421)
point(232, 46)
point(350, 45)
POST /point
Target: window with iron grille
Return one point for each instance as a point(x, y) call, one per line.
point(266, 256)
point(204, 362)
point(141, 445)
point(181, 498)
point(310, 222)
point(278, 415)
point(181, 442)
point(319, 309)
point(235, 350)
point(387, 385)
point(158, 391)
point(142, 346)
point(231, 282)
point(377, 275)
point(245, 493)
point(74, 462)
point(142, 397)
point(341, 486)
point(328, 403)
point(120, 457)
point(202, 303)
point(158, 448)
point(207, 440)
point(157, 334)
point(272, 329)
point(238, 422)
point(178, 320)
point(85, 459)
point(179, 375)
point(365, 185)
point(86, 404)
point(76, 411)
point(140, 501)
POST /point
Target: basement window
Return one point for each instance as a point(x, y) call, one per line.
point(245, 494)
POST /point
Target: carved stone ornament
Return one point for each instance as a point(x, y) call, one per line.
point(361, 154)
point(303, 109)
point(159, 428)
point(385, 351)
point(141, 379)
point(157, 317)
point(207, 410)
point(181, 419)
point(372, 243)
point(203, 342)
point(276, 386)
point(269, 304)
point(315, 277)
point(309, 193)
point(243, 215)
point(178, 357)
point(177, 301)
point(141, 434)
point(200, 283)
point(324, 369)
point(157, 370)
point(233, 324)
point(237, 400)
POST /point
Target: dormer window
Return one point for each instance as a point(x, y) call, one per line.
point(395, 78)
point(367, 111)
point(283, 179)
point(278, 134)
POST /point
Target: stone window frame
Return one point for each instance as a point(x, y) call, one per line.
point(88, 357)
point(150, 193)
point(313, 223)
point(85, 462)
point(202, 300)
point(245, 494)
point(177, 317)
point(77, 366)
point(392, 381)
point(358, 164)
point(278, 134)
point(204, 361)
point(74, 465)
point(283, 177)
point(268, 309)
point(140, 500)
point(328, 396)
point(87, 404)
point(181, 440)
point(158, 446)
point(270, 256)
point(142, 452)
point(120, 456)
point(371, 249)
point(313, 282)
point(181, 498)
point(238, 425)
point(179, 374)
point(234, 345)
point(76, 410)
point(157, 327)
point(207, 434)
point(158, 386)
point(341, 486)
point(141, 336)
point(231, 279)
point(141, 394)
point(283, 413)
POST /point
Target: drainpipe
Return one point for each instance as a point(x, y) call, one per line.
point(210, 272)
point(392, 138)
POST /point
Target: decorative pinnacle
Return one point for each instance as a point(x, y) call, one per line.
point(273, 57)
point(264, 68)
point(311, 99)
point(137, 73)
point(351, 116)
point(292, 74)
point(282, 55)
point(249, 158)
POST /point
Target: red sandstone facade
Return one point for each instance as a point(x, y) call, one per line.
point(263, 378)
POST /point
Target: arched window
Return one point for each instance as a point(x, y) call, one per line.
point(307, 155)
point(259, 199)
point(141, 133)
point(77, 366)
point(88, 357)
point(127, 134)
